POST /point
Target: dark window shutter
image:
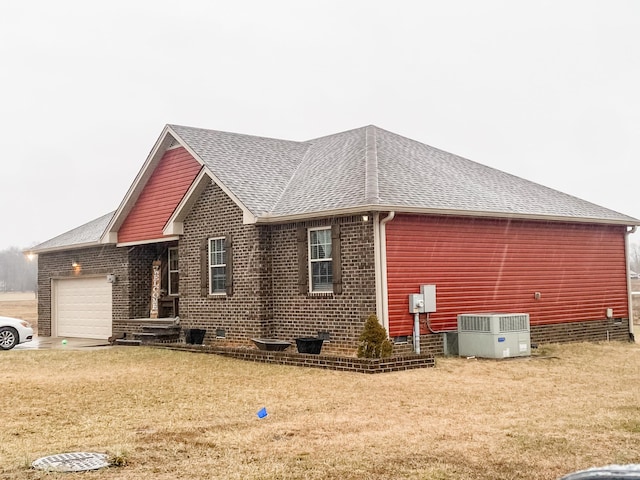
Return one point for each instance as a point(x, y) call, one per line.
point(204, 267)
point(303, 274)
point(336, 264)
point(228, 247)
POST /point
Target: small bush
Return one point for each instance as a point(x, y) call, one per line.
point(373, 340)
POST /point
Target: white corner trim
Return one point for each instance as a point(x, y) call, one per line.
point(173, 228)
point(248, 218)
point(109, 237)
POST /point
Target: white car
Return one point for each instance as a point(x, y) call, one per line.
point(14, 331)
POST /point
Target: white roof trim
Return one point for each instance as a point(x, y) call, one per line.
point(61, 248)
point(163, 143)
point(146, 242)
point(129, 200)
point(263, 219)
point(175, 226)
point(248, 216)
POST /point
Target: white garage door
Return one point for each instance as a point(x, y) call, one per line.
point(83, 307)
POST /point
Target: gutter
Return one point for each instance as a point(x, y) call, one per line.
point(629, 293)
point(268, 217)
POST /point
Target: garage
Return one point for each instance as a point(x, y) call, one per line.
point(82, 307)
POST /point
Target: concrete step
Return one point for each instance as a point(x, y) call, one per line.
point(128, 342)
point(162, 329)
point(154, 337)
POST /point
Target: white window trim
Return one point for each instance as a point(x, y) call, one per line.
point(310, 261)
point(211, 265)
point(169, 289)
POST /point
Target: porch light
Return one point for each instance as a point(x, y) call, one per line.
point(365, 218)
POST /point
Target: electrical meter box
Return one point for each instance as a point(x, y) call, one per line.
point(416, 303)
point(423, 302)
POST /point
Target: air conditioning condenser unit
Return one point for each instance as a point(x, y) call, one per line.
point(494, 335)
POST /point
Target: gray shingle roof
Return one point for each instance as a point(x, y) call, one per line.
point(373, 168)
point(367, 168)
point(85, 235)
point(413, 174)
point(255, 169)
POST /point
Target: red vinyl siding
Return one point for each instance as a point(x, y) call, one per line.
point(485, 265)
point(169, 182)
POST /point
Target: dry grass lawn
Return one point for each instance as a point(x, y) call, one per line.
point(175, 414)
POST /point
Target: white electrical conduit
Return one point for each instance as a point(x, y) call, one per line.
point(416, 333)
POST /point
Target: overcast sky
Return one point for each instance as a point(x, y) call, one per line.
point(546, 90)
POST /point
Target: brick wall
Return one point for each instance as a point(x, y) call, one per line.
point(341, 315)
point(246, 313)
point(593, 331)
point(266, 302)
point(101, 260)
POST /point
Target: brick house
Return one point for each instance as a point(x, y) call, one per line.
point(259, 237)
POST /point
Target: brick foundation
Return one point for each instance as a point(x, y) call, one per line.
point(329, 362)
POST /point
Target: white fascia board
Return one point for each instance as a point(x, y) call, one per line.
point(247, 216)
point(160, 147)
point(62, 248)
point(146, 242)
point(432, 211)
point(175, 226)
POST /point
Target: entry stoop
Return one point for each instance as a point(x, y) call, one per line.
point(160, 333)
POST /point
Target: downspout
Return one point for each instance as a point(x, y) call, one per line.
point(383, 270)
point(629, 292)
point(377, 266)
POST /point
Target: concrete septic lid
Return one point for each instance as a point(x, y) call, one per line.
point(72, 462)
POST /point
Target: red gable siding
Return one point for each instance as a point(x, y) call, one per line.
point(484, 265)
point(169, 182)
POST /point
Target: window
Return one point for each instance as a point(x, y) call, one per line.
point(174, 271)
point(217, 266)
point(320, 260)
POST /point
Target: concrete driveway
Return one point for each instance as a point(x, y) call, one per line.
point(58, 343)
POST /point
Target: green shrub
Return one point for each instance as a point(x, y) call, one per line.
point(373, 340)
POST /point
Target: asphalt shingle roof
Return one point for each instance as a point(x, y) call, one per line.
point(365, 168)
point(255, 169)
point(84, 235)
point(372, 167)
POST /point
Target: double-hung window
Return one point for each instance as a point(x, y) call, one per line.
point(174, 271)
point(217, 265)
point(320, 260)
